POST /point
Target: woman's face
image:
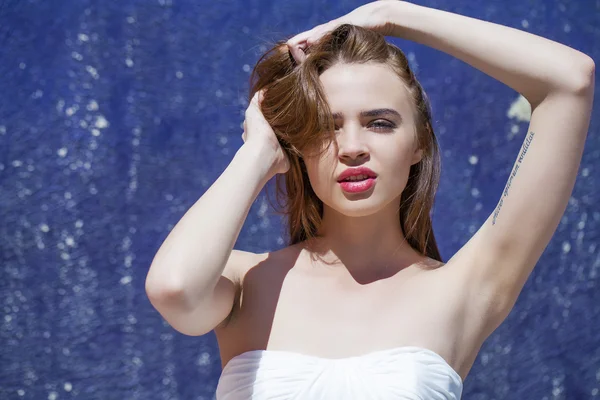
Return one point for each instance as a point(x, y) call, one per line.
point(384, 140)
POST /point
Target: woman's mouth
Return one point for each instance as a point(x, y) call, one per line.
point(356, 186)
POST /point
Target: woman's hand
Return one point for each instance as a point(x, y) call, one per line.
point(371, 16)
point(258, 132)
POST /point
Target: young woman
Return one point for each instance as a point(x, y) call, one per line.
point(359, 305)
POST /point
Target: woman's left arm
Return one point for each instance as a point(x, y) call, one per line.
point(532, 65)
point(558, 81)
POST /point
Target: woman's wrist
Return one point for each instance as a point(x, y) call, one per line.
point(393, 13)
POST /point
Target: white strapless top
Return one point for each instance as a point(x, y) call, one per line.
point(407, 373)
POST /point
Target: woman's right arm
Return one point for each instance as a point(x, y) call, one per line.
point(193, 276)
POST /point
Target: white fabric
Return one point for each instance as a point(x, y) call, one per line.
point(407, 372)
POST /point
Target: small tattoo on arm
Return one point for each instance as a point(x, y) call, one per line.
point(524, 149)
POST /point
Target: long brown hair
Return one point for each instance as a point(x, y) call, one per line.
point(294, 105)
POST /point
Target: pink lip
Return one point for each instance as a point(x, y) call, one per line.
point(357, 186)
point(356, 171)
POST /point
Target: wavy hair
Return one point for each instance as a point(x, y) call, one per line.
point(295, 106)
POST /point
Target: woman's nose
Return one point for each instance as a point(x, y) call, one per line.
point(351, 144)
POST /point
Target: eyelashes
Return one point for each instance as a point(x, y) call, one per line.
point(384, 125)
point(380, 125)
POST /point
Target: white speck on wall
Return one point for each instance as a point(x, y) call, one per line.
point(37, 94)
point(69, 241)
point(92, 105)
point(2, 130)
point(566, 247)
point(567, 28)
point(92, 71)
point(412, 61)
point(44, 228)
point(473, 160)
point(263, 208)
point(52, 396)
point(125, 280)
point(82, 37)
point(179, 74)
point(101, 122)
point(130, 20)
point(129, 62)
point(71, 110)
point(203, 359)
point(585, 171)
point(22, 65)
point(62, 152)
point(520, 109)
point(68, 386)
point(96, 132)
point(246, 68)
point(128, 260)
point(475, 192)
point(65, 256)
point(484, 359)
point(525, 23)
point(17, 163)
point(76, 56)
point(218, 93)
point(60, 104)
point(514, 129)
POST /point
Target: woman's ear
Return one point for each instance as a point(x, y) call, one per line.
point(417, 156)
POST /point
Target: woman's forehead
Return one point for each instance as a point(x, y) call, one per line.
point(360, 88)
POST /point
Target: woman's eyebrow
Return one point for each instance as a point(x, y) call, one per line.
point(378, 112)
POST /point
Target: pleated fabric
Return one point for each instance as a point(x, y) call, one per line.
point(407, 373)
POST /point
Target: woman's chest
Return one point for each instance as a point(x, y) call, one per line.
point(332, 317)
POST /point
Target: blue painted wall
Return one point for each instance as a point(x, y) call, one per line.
point(115, 117)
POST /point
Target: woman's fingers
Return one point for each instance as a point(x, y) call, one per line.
point(299, 43)
point(297, 52)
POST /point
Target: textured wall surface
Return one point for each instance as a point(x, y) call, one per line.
point(115, 117)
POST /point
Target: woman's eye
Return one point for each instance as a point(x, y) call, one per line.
point(383, 125)
point(379, 125)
